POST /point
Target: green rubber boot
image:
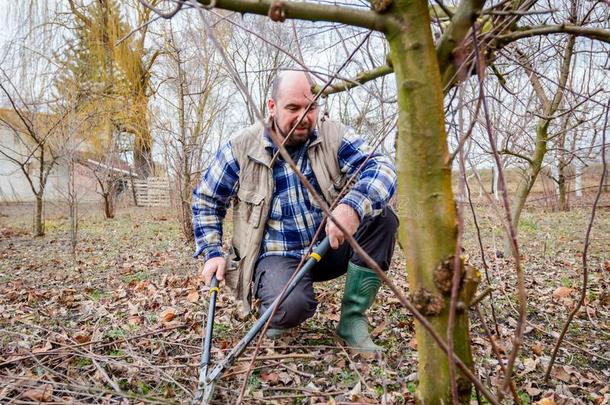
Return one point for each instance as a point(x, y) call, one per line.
point(361, 288)
point(275, 333)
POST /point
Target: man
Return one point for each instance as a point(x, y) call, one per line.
point(275, 217)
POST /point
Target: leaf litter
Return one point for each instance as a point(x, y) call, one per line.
point(121, 321)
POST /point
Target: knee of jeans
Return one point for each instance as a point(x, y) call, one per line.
point(293, 311)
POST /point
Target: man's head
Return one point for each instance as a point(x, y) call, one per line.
point(290, 96)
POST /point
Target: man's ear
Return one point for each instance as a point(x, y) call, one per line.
point(271, 107)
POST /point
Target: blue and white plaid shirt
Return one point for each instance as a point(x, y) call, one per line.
point(294, 215)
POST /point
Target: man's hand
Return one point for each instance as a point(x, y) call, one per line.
point(215, 265)
point(348, 218)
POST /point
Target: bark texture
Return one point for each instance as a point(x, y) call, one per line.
point(428, 228)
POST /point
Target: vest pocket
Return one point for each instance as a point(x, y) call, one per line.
point(251, 206)
point(233, 269)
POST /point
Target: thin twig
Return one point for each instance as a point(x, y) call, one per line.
point(518, 338)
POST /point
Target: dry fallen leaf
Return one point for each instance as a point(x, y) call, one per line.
point(271, 378)
point(354, 394)
point(537, 348)
point(82, 337)
point(562, 292)
point(545, 401)
point(43, 393)
point(42, 349)
point(413, 343)
point(560, 373)
point(167, 315)
point(193, 296)
point(529, 365)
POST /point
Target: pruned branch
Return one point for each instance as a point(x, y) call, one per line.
point(359, 80)
point(307, 11)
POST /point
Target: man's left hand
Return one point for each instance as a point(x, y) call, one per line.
point(349, 220)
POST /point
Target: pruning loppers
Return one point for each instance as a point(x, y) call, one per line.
point(205, 387)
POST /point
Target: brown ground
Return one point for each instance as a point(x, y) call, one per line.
point(120, 321)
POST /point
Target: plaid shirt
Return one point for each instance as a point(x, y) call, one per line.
point(294, 215)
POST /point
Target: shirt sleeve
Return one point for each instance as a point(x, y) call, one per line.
point(375, 184)
point(210, 201)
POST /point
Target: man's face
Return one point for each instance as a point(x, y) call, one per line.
point(292, 100)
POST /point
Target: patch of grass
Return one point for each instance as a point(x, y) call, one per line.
point(565, 281)
point(222, 330)
point(99, 294)
point(347, 378)
point(525, 398)
point(139, 276)
point(115, 333)
point(82, 362)
point(142, 388)
point(254, 382)
point(116, 353)
point(527, 225)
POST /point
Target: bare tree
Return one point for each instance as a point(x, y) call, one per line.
point(424, 73)
point(194, 95)
point(39, 142)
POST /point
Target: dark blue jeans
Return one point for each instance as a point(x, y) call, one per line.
point(376, 235)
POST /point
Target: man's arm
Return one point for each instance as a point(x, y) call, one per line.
point(376, 182)
point(372, 190)
point(210, 200)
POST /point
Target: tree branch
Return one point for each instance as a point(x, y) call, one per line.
point(517, 155)
point(307, 11)
point(534, 79)
point(465, 15)
point(360, 79)
point(526, 32)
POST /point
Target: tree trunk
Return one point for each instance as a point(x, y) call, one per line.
point(109, 203)
point(578, 178)
point(184, 182)
point(38, 216)
point(542, 136)
point(523, 191)
point(142, 152)
point(73, 207)
point(426, 206)
point(186, 212)
point(563, 189)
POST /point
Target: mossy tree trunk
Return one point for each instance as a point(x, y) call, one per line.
point(427, 211)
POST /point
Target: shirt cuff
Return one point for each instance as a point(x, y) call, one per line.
point(209, 252)
point(359, 202)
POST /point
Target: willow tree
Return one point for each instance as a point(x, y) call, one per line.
point(424, 73)
point(109, 66)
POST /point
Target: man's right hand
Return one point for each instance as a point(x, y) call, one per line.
point(215, 265)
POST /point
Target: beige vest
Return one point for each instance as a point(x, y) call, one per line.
point(253, 201)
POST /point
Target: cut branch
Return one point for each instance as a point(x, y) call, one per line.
point(359, 80)
point(307, 11)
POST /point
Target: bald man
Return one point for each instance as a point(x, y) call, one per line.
point(275, 217)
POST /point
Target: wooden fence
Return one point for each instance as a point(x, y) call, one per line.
point(152, 192)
